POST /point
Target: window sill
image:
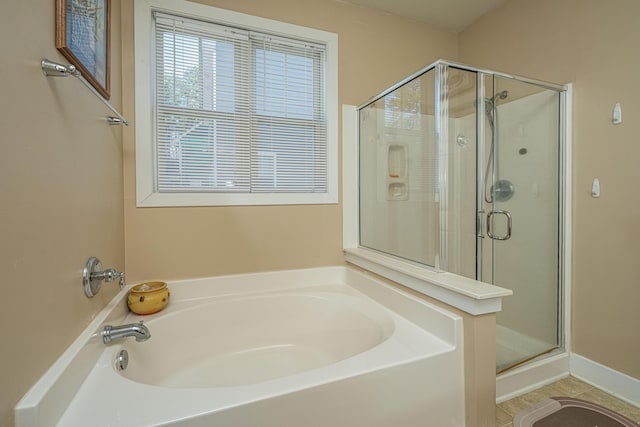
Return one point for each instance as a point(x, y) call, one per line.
point(147, 200)
point(466, 294)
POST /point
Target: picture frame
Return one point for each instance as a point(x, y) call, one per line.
point(83, 30)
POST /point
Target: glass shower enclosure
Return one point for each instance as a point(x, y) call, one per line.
point(460, 171)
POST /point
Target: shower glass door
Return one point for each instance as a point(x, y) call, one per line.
point(519, 245)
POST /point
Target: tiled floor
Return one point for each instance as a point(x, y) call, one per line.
point(568, 387)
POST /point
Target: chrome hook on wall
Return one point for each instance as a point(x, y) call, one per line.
point(54, 69)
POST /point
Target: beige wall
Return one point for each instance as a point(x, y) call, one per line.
point(593, 44)
point(61, 198)
point(375, 51)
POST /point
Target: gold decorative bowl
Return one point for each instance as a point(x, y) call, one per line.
point(148, 297)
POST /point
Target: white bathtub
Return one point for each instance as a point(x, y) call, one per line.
point(321, 347)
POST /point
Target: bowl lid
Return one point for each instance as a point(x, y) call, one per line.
point(149, 286)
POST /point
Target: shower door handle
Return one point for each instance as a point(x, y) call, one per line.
point(479, 217)
point(490, 225)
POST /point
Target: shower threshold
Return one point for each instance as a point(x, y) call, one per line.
point(508, 366)
point(514, 348)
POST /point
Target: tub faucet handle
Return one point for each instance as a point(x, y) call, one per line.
point(93, 275)
point(111, 274)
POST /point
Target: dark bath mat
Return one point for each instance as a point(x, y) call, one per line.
point(568, 412)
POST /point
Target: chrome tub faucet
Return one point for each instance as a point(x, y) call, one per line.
point(137, 330)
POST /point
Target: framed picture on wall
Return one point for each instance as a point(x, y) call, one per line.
point(82, 35)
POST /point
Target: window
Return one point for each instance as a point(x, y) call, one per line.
point(232, 109)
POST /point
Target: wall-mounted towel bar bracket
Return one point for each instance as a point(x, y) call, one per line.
point(54, 69)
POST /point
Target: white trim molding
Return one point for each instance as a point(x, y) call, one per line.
point(545, 371)
point(469, 295)
point(531, 376)
point(620, 385)
point(146, 191)
point(349, 176)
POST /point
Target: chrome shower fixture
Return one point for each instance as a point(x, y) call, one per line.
point(500, 95)
point(490, 103)
point(54, 69)
point(492, 115)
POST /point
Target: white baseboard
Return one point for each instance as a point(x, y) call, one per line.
point(534, 375)
point(531, 376)
point(613, 382)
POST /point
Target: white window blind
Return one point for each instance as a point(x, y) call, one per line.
point(237, 111)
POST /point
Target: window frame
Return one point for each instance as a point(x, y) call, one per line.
point(146, 193)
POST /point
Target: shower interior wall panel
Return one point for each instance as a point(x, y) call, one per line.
point(398, 226)
point(462, 178)
point(398, 148)
point(461, 171)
